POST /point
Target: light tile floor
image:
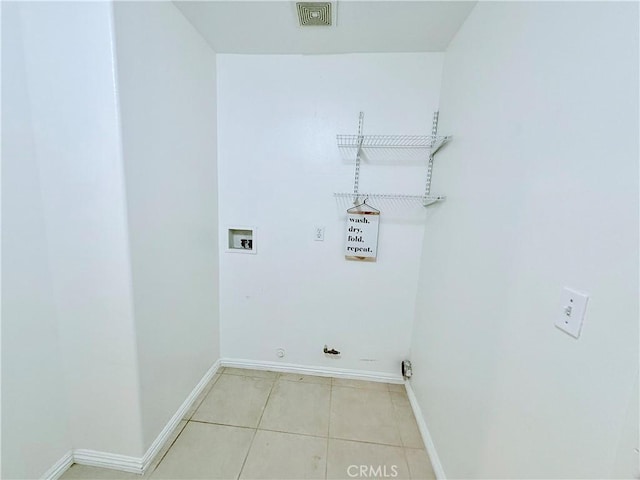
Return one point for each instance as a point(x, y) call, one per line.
point(252, 424)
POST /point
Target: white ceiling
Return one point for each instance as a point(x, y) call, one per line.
point(271, 27)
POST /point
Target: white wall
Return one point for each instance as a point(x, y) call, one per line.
point(626, 463)
point(542, 185)
point(166, 78)
point(35, 432)
point(70, 86)
point(279, 165)
point(70, 344)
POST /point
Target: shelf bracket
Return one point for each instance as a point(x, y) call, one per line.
point(434, 135)
point(356, 175)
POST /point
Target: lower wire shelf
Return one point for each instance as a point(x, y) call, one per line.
point(424, 200)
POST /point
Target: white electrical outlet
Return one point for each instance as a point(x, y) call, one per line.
point(319, 234)
point(280, 352)
point(571, 312)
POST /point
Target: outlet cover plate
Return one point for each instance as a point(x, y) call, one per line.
point(573, 306)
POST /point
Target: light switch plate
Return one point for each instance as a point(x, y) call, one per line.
point(571, 311)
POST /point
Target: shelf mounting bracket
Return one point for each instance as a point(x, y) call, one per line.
point(356, 175)
point(434, 135)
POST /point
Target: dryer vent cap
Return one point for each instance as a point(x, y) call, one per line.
point(314, 14)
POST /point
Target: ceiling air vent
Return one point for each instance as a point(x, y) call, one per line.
point(314, 13)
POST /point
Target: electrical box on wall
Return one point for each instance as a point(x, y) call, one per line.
point(241, 240)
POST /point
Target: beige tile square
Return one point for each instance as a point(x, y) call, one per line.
point(295, 377)
point(347, 382)
point(189, 413)
point(206, 451)
point(363, 414)
point(397, 387)
point(298, 407)
point(276, 455)
point(346, 459)
point(246, 372)
point(84, 472)
point(235, 400)
point(419, 464)
point(165, 448)
point(407, 425)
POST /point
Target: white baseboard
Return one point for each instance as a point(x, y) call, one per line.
point(312, 370)
point(426, 436)
point(113, 461)
point(164, 435)
point(59, 467)
point(134, 464)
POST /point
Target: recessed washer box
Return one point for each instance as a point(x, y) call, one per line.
point(241, 240)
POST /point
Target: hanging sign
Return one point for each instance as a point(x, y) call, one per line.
point(362, 233)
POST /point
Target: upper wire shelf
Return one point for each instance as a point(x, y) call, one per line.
point(429, 142)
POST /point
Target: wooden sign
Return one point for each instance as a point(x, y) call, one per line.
point(362, 233)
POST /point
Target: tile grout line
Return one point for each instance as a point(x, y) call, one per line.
point(247, 454)
point(402, 409)
point(260, 429)
point(326, 463)
point(397, 423)
point(291, 433)
point(406, 461)
point(168, 449)
point(186, 421)
point(368, 442)
point(255, 432)
point(361, 388)
point(306, 382)
point(262, 377)
point(278, 377)
point(208, 390)
point(223, 424)
point(395, 419)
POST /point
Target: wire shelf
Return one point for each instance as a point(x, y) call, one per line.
point(429, 142)
point(424, 200)
point(421, 145)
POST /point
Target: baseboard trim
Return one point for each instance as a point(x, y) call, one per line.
point(164, 435)
point(312, 370)
point(426, 436)
point(125, 463)
point(113, 461)
point(58, 468)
